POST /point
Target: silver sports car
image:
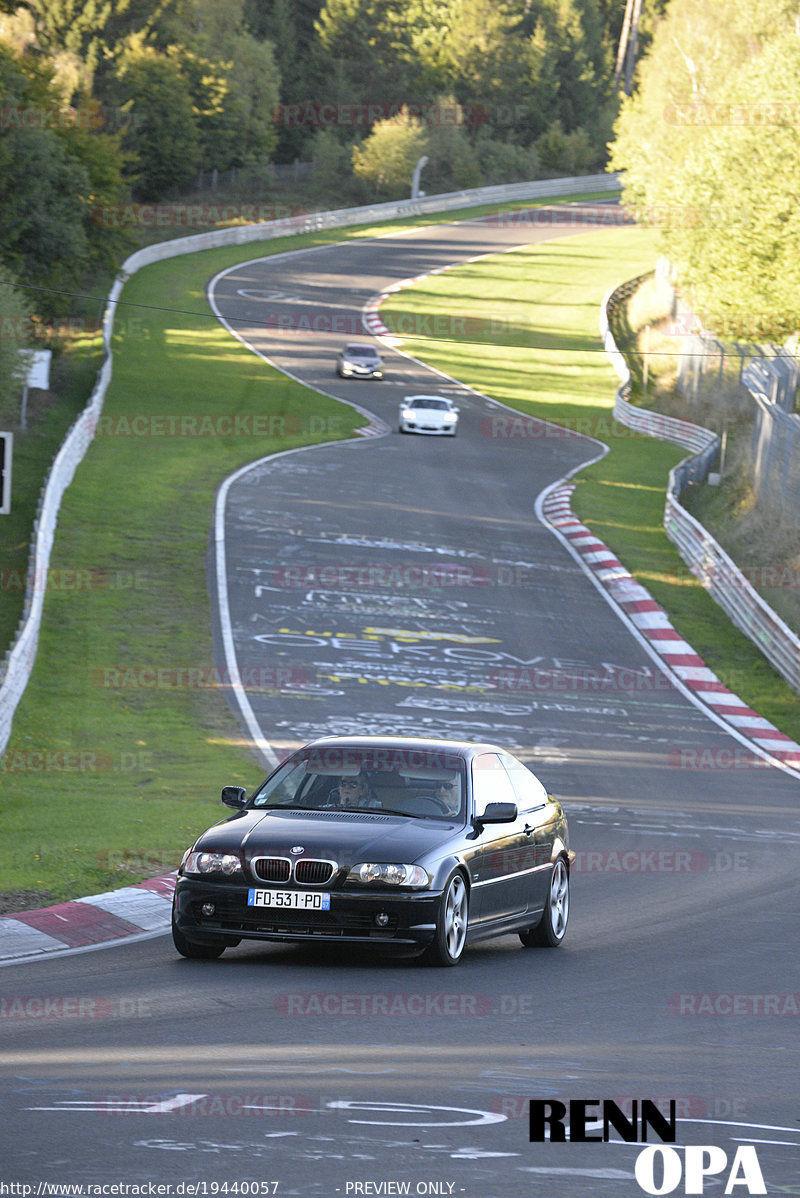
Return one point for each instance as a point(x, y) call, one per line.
point(359, 361)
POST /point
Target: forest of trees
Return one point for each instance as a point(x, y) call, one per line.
point(103, 102)
point(106, 101)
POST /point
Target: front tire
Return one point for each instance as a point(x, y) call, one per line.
point(193, 949)
point(451, 924)
point(551, 928)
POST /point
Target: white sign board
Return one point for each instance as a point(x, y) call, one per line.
point(38, 365)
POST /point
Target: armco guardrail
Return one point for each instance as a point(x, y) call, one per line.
point(707, 560)
point(20, 658)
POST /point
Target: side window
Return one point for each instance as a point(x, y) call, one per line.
point(490, 782)
point(527, 787)
point(283, 787)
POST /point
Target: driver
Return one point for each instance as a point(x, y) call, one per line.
point(447, 793)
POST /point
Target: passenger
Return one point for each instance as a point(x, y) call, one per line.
point(357, 792)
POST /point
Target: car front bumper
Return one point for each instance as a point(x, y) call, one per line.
point(361, 372)
point(410, 426)
point(410, 917)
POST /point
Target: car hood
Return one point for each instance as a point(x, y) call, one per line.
point(341, 836)
point(429, 415)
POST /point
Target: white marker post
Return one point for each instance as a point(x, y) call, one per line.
point(6, 449)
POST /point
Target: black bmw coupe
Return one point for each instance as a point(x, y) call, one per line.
point(412, 846)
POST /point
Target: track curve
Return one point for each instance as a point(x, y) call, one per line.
point(404, 584)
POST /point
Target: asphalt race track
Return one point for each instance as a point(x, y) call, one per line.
point(403, 584)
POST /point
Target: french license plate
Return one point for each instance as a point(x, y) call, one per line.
point(306, 900)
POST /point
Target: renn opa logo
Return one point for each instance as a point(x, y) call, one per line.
point(659, 1168)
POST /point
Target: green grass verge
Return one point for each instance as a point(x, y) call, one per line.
point(533, 343)
point(103, 783)
point(74, 372)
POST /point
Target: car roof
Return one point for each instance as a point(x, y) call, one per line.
point(462, 748)
point(370, 349)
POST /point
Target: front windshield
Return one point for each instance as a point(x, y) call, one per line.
point(440, 405)
point(418, 783)
point(360, 351)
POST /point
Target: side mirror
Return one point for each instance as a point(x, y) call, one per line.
point(498, 813)
point(234, 796)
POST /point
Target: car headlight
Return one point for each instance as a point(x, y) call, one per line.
point(390, 874)
point(211, 863)
point(406, 413)
point(450, 418)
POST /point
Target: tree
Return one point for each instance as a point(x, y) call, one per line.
point(504, 162)
point(253, 81)
point(233, 79)
point(162, 139)
point(370, 43)
point(739, 253)
point(77, 26)
point(53, 174)
point(711, 153)
point(574, 86)
point(15, 328)
point(331, 164)
point(283, 27)
point(388, 156)
point(453, 163)
point(90, 33)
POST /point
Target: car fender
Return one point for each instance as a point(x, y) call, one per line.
point(444, 868)
point(562, 849)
